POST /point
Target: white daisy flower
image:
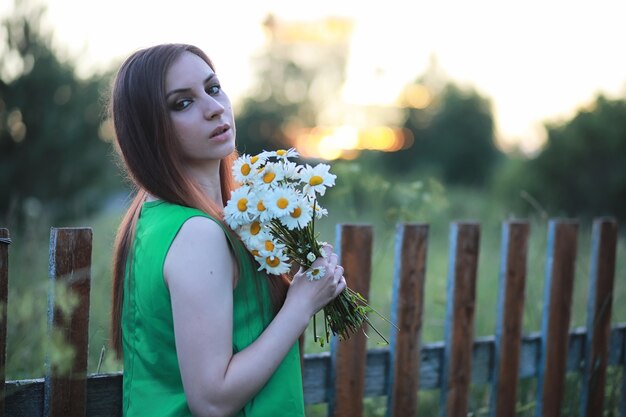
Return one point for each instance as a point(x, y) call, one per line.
point(244, 170)
point(270, 176)
point(319, 211)
point(311, 257)
point(237, 211)
point(271, 245)
point(317, 179)
point(258, 160)
point(291, 171)
point(253, 234)
point(281, 201)
point(265, 245)
point(256, 252)
point(299, 217)
point(286, 154)
point(260, 208)
point(274, 262)
point(267, 155)
point(315, 273)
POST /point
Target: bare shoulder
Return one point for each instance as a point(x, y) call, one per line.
point(199, 249)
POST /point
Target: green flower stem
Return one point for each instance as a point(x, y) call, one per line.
point(314, 329)
point(347, 313)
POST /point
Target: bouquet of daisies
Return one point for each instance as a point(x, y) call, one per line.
point(274, 213)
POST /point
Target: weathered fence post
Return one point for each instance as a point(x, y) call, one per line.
point(68, 322)
point(348, 357)
point(601, 276)
point(558, 289)
point(406, 313)
point(622, 405)
point(512, 282)
point(459, 331)
point(5, 240)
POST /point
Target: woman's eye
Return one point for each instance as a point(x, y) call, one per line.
point(213, 89)
point(181, 104)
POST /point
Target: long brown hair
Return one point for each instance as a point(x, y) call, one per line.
point(151, 154)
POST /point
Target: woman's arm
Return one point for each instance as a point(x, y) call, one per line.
point(199, 272)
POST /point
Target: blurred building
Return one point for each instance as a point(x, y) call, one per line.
point(320, 50)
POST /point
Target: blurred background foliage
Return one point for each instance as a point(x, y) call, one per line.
point(54, 160)
point(58, 167)
point(56, 157)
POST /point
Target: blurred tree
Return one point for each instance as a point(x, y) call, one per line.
point(581, 171)
point(262, 118)
point(298, 75)
point(52, 158)
point(453, 138)
point(281, 97)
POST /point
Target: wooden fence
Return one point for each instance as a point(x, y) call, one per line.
point(349, 372)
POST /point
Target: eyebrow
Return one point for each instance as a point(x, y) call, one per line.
point(183, 90)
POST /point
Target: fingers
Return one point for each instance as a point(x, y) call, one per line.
point(338, 272)
point(340, 286)
point(328, 261)
point(332, 261)
point(327, 248)
point(340, 281)
point(300, 274)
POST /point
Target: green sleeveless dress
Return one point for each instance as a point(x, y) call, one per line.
point(152, 382)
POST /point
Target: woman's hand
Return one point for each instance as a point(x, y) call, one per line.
point(315, 294)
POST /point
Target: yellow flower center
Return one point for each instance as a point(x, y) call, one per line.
point(255, 252)
point(255, 228)
point(268, 177)
point(254, 159)
point(260, 206)
point(269, 246)
point(272, 261)
point(281, 152)
point(315, 272)
point(282, 203)
point(245, 169)
point(296, 212)
point(316, 180)
point(242, 204)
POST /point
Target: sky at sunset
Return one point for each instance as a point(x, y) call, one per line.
point(536, 61)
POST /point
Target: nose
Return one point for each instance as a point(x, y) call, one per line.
point(212, 107)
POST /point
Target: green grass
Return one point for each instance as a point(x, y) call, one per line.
point(380, 204)
point(28, 291)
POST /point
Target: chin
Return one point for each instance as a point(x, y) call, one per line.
point(228, 148)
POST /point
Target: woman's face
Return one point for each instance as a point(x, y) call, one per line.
point(200, 111)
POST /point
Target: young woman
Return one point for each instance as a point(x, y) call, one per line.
point(201, 331)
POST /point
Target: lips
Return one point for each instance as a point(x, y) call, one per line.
point(219, 130)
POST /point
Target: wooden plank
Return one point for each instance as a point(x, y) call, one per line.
point(68, 322)
point(348, 356)
point(617, 345)
point(5, 241)
point(104, 395)
point(622, 405)
point(25, 398)
point(601, 278)
point(559, 286)
point(459, 330)
point(512, 282)
point(316, 376)
point(406, 313)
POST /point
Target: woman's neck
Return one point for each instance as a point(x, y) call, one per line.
point(208, 178)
